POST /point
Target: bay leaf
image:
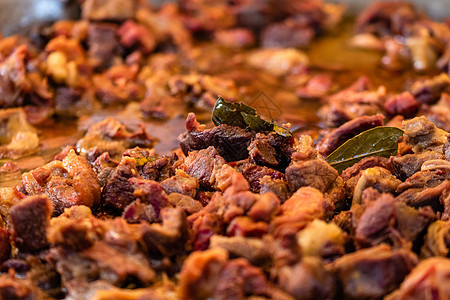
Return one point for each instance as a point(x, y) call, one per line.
point(244, 116)
point(378, 141)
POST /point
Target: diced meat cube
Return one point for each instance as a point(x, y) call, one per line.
point(373, 272)
point(30, 219)
point(315, 173)
point(429, 277)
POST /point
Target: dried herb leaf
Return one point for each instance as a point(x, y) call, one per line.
point(244, 116)
point(378, 141)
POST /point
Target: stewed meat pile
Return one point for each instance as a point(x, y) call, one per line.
point(253, 205)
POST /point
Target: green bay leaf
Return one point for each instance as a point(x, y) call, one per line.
point(244, 116)
point(378, 141)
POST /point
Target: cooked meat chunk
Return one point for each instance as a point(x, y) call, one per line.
point(169, 237)
point(264, 208)
point(316, 173)
point(353, 102)
point(407, 165)
point(103, 44)
point(386, 18)
point(376, 177)
point(189, 204)
point(67, 183)
point(103, 166)
point(253, 249)
point(118, 85)
point(403, 104)
point(277, 186)
point(204, 165)
point(262, 153)
point(418, 197)
point(113, 137)
point(200, 273)
point(118, 191)
point(157, 169)
point(239, 279)
point(322, 239)
point(308, 279)
point(363, 164)
point(181, 183)
point(429, 277)
point(422, 135)
point(136, 212)
point(279, 62)
point(13, 81)
point(231, 142)
point(426, 178)
point(75, 229)
point(254, 173)
point(101, 261)
point(30, 219)
point(134, 34)
point(373, 272)
point(150, 192)
point(201, 91)
point(246, 227)
point(289, 33)
point(429, 91)
point(437, 240)
point(346, 131)
point(391, 222)
point(305, 205)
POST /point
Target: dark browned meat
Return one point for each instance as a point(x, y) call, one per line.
point(181, 183)
point(373, 272)
point(422, 135)
point(429, 277)
point(346, 131)
point(118, 191)
point(429, 91)
point(231, 142)
point(30, 219)
point(203, 165)
point(403, 104)
point(308, 279)
point(254, 173)
point(386, 18)
point(316, 173)
point(169, 237)
point(390, 222)
point(407, 165)
point(67, 183)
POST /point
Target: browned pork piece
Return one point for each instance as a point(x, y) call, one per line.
point(429, 277)
point(67, 183)
point(357, 100)
point(373, 272)
point(113, 137)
